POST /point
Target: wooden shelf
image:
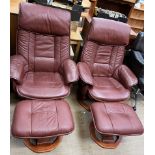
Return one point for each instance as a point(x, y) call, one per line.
point(130, 1)
point(14, 6)
point(139, 9)
point(137, 27)
point(137, 18)
point(137, 30)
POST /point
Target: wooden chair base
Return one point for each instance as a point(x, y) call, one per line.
point(105, 143)
point(84, 105)
point(44, 147)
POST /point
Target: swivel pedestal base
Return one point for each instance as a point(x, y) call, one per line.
point(105, 141)
point(42, 145)
point(84, 105)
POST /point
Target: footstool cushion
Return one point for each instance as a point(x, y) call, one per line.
point(116, 119)
point(40, 118)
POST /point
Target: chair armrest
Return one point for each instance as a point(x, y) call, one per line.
point(17, 65)
point(138, 57)
point(70, 71)
point(125, 76)
point(85, 73)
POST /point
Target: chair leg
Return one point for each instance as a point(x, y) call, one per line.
point(135, 98)
point(107, 141)
point(82, 96)
point(42, 145)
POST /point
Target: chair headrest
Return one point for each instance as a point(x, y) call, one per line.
point(110, 32)
point(44, 19)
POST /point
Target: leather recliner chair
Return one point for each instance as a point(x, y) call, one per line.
point(103, 76)
point(42, 68)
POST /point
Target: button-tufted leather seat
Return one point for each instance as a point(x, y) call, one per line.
point(101, 70)
point(42, 67)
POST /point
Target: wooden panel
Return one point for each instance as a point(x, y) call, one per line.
point(136, 23)
point(137, 14)
point(14, 6)
point(131, 1)
point(136, 30)
point(13, 28)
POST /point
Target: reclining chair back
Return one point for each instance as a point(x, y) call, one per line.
point(43, 37)
point(105, 45)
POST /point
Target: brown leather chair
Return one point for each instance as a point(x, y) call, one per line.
point(103, 76)
point(42, 67)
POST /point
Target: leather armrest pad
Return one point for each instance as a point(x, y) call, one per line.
point(17, 68)
point(125, 76)
point(85, 73)
point(70, 70)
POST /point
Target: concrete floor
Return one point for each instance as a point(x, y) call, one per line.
point(79, 141)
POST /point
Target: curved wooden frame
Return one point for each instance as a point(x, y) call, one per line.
point(87, 107)
point(45, 147)
point(101, 143)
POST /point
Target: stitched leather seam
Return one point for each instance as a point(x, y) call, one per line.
point(109, 118)
point(34, 51)
point(60, 50)
point(128, 117)
point(96, 49)
point(57, 115)
point(28, 52)
point(111, 57)
point(31, 117)
point(116, 56)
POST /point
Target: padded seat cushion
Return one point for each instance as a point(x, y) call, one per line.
point(108, 89)
point(115, 118)
point(39, 118)
point(42, 85)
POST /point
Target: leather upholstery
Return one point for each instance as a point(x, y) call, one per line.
point(85, 73)
point(119, 119)
point(17, 68)
point(68, 67)
point(42, 53)
point(125, 76)
point(44, 20)
point(102, 59)
point(112, 35)
point(43, 85)
point(108, 89)
point(39, 118)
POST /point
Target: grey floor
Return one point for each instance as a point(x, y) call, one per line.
point(79, 141)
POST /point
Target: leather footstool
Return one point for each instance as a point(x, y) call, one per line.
point(111, 121)
point(42, 123)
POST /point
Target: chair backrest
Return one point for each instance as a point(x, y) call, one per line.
point(43, 36)
point(139, 42)
point(105, 45)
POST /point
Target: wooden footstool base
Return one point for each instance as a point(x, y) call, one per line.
point(105, 141)
point(84, 105)
point(44, 146)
